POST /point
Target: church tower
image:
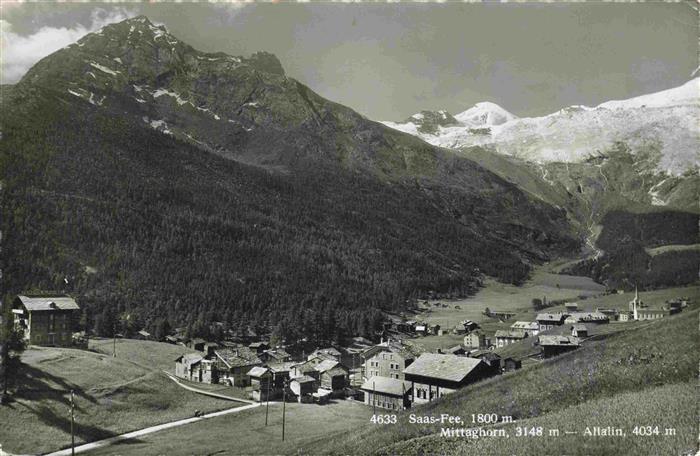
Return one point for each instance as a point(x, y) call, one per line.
point(634, 304)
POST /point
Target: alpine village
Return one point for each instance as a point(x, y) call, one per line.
point(201, 249)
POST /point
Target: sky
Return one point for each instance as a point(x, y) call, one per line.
point(390, 60)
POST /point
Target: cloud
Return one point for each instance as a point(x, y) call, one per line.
point(20, 52)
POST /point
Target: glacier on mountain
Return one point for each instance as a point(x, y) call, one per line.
point(667, 120)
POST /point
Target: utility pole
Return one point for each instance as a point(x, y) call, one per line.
point(267, 406)
point(284, 407)
point(3, 351)
point(374, 398)
point(114, 340)
point(72, 423)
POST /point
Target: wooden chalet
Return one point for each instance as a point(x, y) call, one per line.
point(553, 345)
point(47, 319)
point(233, 364)
point(387, 393)
point(434, 375)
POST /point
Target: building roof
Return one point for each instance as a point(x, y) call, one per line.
point(550, 316)
point(551, 340)
point(308, 365)
point(510, 334)
point(279, 353)
point(39, 303)
point(258, 344)
point(446, 367)
point(405, 351)
point(303, 379)
point(144, 333)
point(454, 349)
point(281, 367)
point(189, 358)
point(236, 357)
point(579, 327)
point(328, 351)
point(386, 385)
point(589, 316)
point(337, 370)
point(652, 311)
point(326, 365)
point(258, 371)
point(525, 325)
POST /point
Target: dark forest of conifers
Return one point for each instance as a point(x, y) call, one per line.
point(133, 222)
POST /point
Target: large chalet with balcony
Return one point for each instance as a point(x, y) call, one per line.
point(46, 320)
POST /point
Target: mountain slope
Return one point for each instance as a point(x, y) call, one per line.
point(169, 183)
point(637, 157)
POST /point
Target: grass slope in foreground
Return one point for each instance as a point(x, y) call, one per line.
point(662, 407)
point(112, 396)
point(655, 354)
point(245, 433)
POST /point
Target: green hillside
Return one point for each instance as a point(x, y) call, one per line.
point(664, 409)
point(656, 354)
point(112, 396)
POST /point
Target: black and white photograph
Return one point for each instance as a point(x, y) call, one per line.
point(349, 228)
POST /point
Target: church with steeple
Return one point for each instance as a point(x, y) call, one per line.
point(634, 307)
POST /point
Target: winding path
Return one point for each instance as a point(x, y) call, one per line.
point(149, 430)
point(161, 427)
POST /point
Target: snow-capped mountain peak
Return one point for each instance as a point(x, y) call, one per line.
point(484, 114)
point(666, 121)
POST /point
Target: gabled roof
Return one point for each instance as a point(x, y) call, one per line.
point(589, 316)
point(258, 371)
point(326, 365)
point(551, 340)
point(550, 316)
point(39, 303)
point(525, 325)
point(579, 327)
point(405, 351)
point(444, 367)
point(189, 358)
point(512, 334)
point(336, 370)
point(281, 367)
point(258, 344)
point(327, 351)
point(385, 385)
point(303, 379)
point(236, 357)
point(278, 354)
point(309, 364)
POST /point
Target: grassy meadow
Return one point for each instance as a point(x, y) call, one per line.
point(149, 354)
point(112, 396)
point(245, 433)
point(495, 295)
point(500, 296)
